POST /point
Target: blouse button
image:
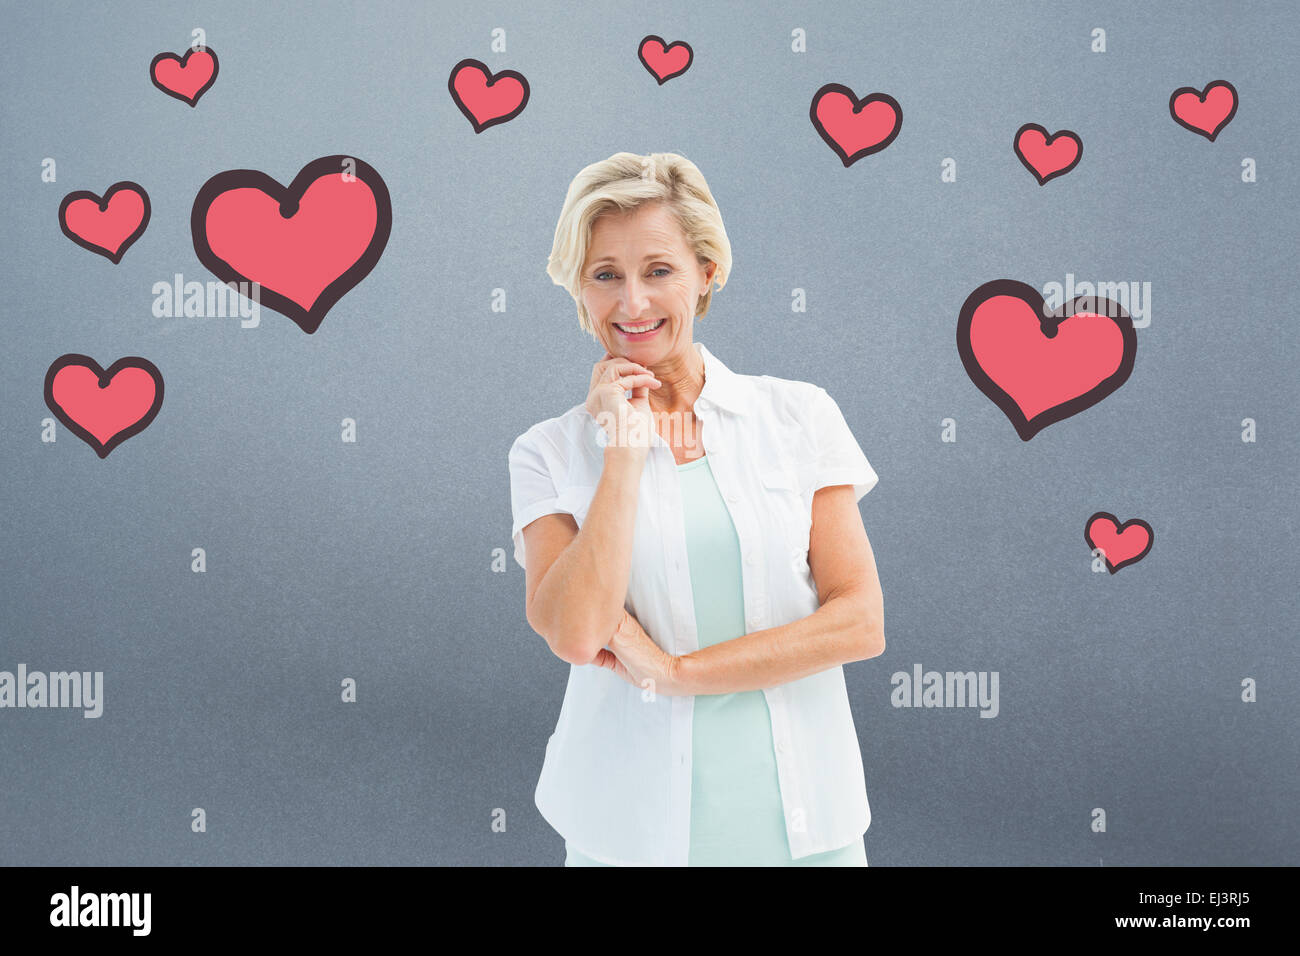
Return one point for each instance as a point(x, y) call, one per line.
point(781, 747)
point(733, 497)
point(749, 558)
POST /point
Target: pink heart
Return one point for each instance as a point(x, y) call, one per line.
point(487, 98)
point(106, 226)
point(1120, 545)
point(306, 244)
point(1047, 156)
point(855, 127)
point(187, 77)
point(103, 407)
point(1205, 113)
point(665, 61)
point(1040, 367)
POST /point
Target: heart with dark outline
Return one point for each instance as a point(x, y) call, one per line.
point(472, 94)
point(184, 65)
point(839, 125)
point(62, 391)
point(289, 198)
point(112, 255)
point(1049, 326)
point(1201, 96)
point(1049, 140)
point(646, 53)
point(1111, 527)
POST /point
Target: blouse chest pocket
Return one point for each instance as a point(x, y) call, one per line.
point(576, 500)
point(784, 507)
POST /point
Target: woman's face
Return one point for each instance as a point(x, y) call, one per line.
point(640, 271)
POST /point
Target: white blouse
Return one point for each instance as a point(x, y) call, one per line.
point(616, 779)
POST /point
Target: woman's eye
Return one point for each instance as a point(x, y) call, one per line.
point(608, 273)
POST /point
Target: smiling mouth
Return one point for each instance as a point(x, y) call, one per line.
point(639, 329)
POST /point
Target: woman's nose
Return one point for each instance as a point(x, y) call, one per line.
point(635, 298)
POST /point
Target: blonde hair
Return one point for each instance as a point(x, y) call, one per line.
point(625, 182)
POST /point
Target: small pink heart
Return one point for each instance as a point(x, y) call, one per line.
point(1120, 544)
point(106, 226)
point(664, 61)
point(484, 97)
point(855, 127)
point(187, 77)
point(1204, 112)
point(1047, 156)
point(103, 407)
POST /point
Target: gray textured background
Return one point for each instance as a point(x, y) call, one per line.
point(372, 560)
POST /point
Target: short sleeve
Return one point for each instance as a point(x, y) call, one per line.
point(532, 490)
point(840, 459)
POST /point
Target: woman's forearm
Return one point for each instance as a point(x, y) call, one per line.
point(843, 629)
point(580, 601)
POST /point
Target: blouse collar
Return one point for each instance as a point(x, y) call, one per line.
point(722, 386)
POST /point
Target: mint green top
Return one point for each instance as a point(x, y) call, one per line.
point(736, 814)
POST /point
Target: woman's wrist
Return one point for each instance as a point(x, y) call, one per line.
point(684, 673)
point(625, 457)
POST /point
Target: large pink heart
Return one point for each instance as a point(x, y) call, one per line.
point(305, 245)
point(1041, 366)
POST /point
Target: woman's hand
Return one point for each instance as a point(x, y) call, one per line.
point(627, 422)
point(634, 656)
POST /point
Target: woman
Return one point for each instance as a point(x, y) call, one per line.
point(696, 554)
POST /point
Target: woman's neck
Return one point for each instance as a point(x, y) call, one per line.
point(682, 379)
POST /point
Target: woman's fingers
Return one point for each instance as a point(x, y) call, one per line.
point(626, 373)
point(620, 363)
point(634, 368)
point(635, 381)
point(613, 409)
point(606, 658)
